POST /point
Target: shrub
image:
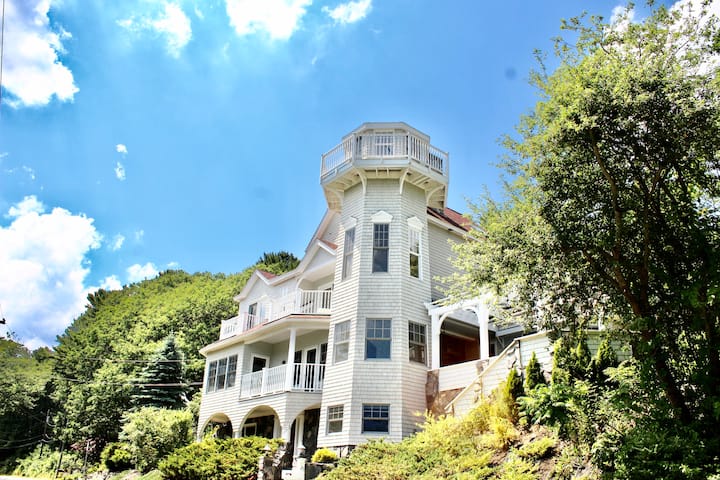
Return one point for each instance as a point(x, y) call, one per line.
point(324, 455)
point(35, 465)
point(502, 434)
point(533, 374)
point(116, 457)
point(217, 459)
point(537, 449)
point(151, 433)
point(604, 359)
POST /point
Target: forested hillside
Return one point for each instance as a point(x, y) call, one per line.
point(103, 364)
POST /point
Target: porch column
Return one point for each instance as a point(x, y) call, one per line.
point(290, 359)
point(483, 316)
point(435, 341)
point(299, 433)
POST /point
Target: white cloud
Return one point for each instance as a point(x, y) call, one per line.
point(175, 25)
point(170, 23)
point(111, 283)
point(278, 18)
point(349, 12)
point(117, 242)
point(139, 234)
point(27, 206)
point(173, 265)
point(120, 148)
point(139, 272)
point(120, 171)
point(32, 72)
point(43, 260)
point(199, 13)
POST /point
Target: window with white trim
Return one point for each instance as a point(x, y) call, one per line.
point(417, 342)
point(341, 341)
point(348, 253)
point(381, 247)
point(414, 252)
point(335, 419)
point(221, 374)
point(376, 419)
point(378, 333)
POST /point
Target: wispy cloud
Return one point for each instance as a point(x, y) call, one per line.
point(137, 272)
point(139, 234)
point(349, 12)
point(121, 148)
point(33, 74)
point(117, 242)
point(277, 18)
point(120, 171)
point(44, 256)
point(170, 22)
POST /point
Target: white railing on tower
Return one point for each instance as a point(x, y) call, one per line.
point(381, 146)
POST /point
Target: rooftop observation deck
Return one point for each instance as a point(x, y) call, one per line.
point(385, 150)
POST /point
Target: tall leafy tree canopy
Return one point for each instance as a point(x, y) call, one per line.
point(613, 207)
point(118, 342)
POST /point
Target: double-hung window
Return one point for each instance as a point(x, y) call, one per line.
point(381, 247)
point(417, 345)
point(376, 419)
point(221, 374)
point(348, 253)
point(378, 334)
point(335, 419)
point(212, 376)
point(342, 341)
point(414, 252)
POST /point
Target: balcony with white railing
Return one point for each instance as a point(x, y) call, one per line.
point(386, 149)
point(299, 302)
point(293, 377)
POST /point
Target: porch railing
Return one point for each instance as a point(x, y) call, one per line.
point(299, 302)
point(384, 146)
point(294, 377)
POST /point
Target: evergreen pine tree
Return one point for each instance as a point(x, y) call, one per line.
point(162, 379)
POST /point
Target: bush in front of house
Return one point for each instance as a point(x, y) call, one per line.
point(324, 455)
point(217, 459)
point(151, 433)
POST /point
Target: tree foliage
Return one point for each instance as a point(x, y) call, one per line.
point(161, 381)
point(115, 346)
point(24, 395)
point(613, 211)
point(152, 433)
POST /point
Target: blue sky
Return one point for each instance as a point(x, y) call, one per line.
point(141, 135)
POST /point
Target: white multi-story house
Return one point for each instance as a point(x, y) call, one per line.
point(352, 344)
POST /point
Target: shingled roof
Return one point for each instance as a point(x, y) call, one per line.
point(448, 215)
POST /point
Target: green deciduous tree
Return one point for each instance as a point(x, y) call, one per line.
point(613, 213)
